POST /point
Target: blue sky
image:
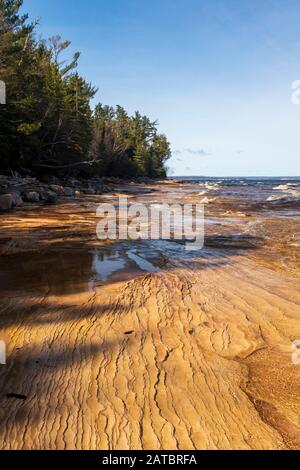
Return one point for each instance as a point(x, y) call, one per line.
point(216, 74)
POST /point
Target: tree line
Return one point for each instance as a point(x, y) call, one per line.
point(48, 126)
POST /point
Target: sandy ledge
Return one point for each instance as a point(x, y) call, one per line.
point(195, 356)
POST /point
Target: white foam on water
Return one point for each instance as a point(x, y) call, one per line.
point(276, 198)
point(285, 187)
point(208, 200)
point(211, 186)
point(290, 192)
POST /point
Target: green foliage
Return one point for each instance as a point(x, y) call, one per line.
point(128, 146)
point(48, 126)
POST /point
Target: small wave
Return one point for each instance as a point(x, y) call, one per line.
point(212, 187)
point(276, 198)
point(207, 200)
point(234, 215)
point(295, 193)
point(290, 194)
point(285, 187)
point(285, 199)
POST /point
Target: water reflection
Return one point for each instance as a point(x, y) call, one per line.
point(105, 265)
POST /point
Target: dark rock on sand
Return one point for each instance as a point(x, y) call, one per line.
point(59, 190)
point(48, 196)
point(6, 202)
point(17, 199)
point(31, 196)
point(68, 192)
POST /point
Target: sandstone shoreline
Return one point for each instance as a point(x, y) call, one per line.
point(195, 356)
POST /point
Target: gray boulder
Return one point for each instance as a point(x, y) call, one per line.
point(57, 189)
point(6, 202)
point(74, 183)
point(31, 196)
point(4, 188)
point(17, 200)
point(88, 191)
point(69, 192)
point(48, 196)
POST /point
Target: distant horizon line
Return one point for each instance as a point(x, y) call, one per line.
point(252, 177)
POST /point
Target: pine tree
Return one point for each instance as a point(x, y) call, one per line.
point(47, 124)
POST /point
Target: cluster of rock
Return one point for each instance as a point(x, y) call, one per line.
point(17, 191)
